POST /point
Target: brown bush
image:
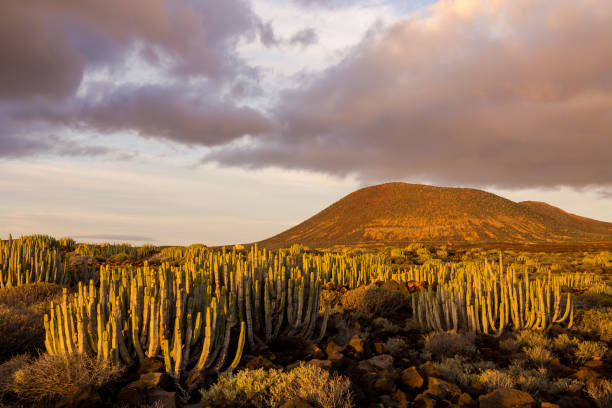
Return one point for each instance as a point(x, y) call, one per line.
point(448, 344)
point(373, 299)
point(22, 310)
point(50, 377)
point(7, 370)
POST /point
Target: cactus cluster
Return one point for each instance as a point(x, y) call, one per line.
point(485, 298)
point(188, 314)
point(35, 258)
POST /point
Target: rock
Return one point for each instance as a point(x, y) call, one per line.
point(411, 379)
point(400, 398)
point(383, 361)
point(430, 370)
point(466, 400)
point(573, 402)
point(587, 375)
point(260, 362)
point(326, 364)
point(477, 388)
point(380, 348)
point(442, 389)
point(506, 398)
point(384, 385)
point(84, 398)
point(424, 401)
point(149, 385)
point(558, 370)
point(315, 351)
point(357, 343)
point(548, 405)
point(165, 398)
point(152, 380)
point(296, 402)
point(151, 365)
point(595, 364)
point(333, 348)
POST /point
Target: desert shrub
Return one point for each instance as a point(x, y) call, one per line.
point(594, 298)
point(120, 257)
point(601, 393)
point(598, 322)
point(532, 338)
point(375, 300)
point(456, 370)
point(242, 389)
point(30, 295)
point(315, 385)
point(603, 258)
point(564, 344)
point(386, 324)
point(515, 376)
point(50, 377)
point(395, 345)
point(590, 349)
point(270, 388)
point(448, 344)
point(7, 370)
point(493, 379)
point(538, 355)
point(21, 331)
point(509, 345)
point(21, 317)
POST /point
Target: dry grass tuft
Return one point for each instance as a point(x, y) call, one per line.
point(21, 312)
point(270, 388)
point(448, 344)
point(601, 393)
point(7, 370)
point(51, 377)
point(588, 350)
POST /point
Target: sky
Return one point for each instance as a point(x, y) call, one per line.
point(182, 121)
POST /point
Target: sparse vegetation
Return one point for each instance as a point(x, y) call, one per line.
point(520, 322)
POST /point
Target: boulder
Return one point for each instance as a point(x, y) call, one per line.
point(430, 370)
point(334, 351)
point(506, 398)
point(424, 401)
point(411, 379)
point(357, 343)
point(466, 400)
point(442, 389)
point(382, 362)
point(151, 365)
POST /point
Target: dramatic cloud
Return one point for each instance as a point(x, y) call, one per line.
point(172, 113)
point(47, 51)
point(512, 93)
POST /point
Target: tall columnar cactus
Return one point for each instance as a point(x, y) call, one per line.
point(35, 258)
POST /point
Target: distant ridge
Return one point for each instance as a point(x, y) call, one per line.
point(400, 213)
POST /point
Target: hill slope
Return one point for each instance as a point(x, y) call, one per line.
point(398, 213)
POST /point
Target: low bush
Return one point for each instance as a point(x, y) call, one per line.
point(271, 388)
point(448, 344)
point(601, 393)
point(50, 377)
point(22, 310)
point(588, 350)
point(373, 299)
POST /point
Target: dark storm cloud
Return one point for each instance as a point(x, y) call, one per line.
point(509, 93)
point(304, 37)
point(47, 48)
